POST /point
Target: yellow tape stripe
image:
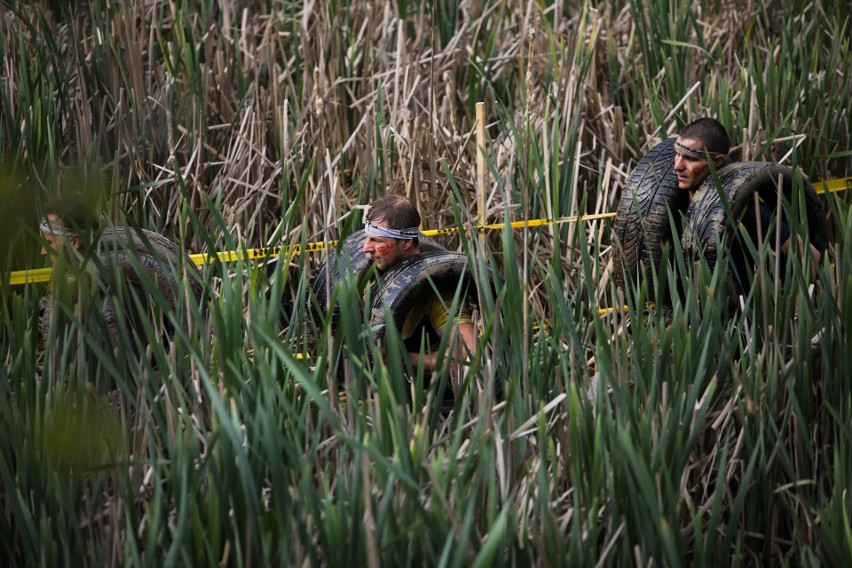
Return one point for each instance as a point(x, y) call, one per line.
point(251, 254)
point(606, 311)
point(833, 185)
point(43, 274)
point(601, 312)
point(30, 276)
point(19, 277)
point(521, 224)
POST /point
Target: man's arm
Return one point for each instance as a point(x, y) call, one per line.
point(766, 215)
point(437, 312)
point(815, 255)
point(464, 349)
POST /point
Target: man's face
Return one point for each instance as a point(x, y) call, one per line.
point(691, 171)
point(386, 252)
point(53, 243)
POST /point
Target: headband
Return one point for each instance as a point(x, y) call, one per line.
point(54, 229)
point(404, 234)
point(697, 154)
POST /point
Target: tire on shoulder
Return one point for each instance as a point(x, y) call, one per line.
point(740, 181)
point(414, 281)
point(157, 255)
point(642, 227)
point(122, 252)
point(347, 261)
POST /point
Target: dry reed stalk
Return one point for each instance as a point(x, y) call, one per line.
point(376, 100)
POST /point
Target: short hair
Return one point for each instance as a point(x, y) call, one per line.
point(396, 211)
point(709, 132)
point(76, 215)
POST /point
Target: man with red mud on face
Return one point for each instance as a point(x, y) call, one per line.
point(705, 139)
point(392, 229)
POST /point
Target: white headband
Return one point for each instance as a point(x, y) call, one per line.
point(693, 153)
point(54, 229)
point(404, 234)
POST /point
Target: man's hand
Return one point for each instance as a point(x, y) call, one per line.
point(461, 354)
point(815, 255)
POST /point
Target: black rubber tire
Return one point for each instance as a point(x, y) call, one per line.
point(415, 280)
point(642, 224)
point(707, 218)
point(348, 260)
point(156, 254)
point(412, 281)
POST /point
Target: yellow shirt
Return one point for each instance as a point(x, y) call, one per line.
point(431, 316)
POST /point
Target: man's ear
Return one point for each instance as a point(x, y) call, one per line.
point(74, 241)
point(718, 161)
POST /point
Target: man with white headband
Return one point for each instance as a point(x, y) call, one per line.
point(74, 241)
point(69, 229)
point(68, 225)
point(393, 231)
point(392, 228)
point(698, 140)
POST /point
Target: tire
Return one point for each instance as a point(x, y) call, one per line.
point(155, 254)
point(347, 261)
point(642, 224)
point(412, 281)
point(741, 181)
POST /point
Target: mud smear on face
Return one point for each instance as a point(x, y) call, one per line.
point(384, 250)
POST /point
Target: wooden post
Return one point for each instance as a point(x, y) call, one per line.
point(480, 162)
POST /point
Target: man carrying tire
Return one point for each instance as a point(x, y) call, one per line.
point(108, 264)
point(706, 141)
point(392, 237)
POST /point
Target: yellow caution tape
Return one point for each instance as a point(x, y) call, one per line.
point(30, 276)
point(606, 311)
point(251, 254)
point(833, 185)
point(521, 224)
point(43, 274)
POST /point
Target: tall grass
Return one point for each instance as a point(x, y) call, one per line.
point(694, 439)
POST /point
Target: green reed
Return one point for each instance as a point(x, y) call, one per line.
point(680, 438)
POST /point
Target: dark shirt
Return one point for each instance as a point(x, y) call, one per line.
point(742, 260)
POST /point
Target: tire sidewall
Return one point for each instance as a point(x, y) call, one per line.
point(708, 221)
point(413, 281)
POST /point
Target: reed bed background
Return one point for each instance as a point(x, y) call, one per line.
point(702, 439)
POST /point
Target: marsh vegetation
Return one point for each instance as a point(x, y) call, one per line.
point(638, 437)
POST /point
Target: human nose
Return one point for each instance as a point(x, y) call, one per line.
point(43, 250)
point(678, 163)
point(368, 246)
